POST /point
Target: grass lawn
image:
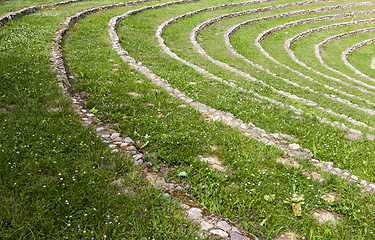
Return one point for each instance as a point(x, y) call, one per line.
point(56, 176)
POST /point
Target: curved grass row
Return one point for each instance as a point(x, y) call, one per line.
point(173, 135)
point(138, 41)
point(55, 174)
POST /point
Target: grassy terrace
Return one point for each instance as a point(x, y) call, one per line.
point(365, 58)
point(56, 175)
point(330, 50)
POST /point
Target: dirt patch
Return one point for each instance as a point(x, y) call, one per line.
point(154, 178)
point(287, 236)
point(123, 189)
point(323, 216)
point(213, 161)
point(315, 175)
point(56, 109)
point(353, 136)
point(135, 95)
point(286, 161)
point(331, 196)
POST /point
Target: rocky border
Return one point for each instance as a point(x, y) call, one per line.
point(327, 40)
point(198, 48)
point(201, 51)
point(29, 10)
point(231, 48)
point(248, 128)
point(345, 55)
point(267, 32)
point(328, 166)
point(161, 28)
point(215, 224)
point(292, 40)
point(211, 224)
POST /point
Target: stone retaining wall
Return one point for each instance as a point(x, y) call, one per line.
point(248, 128)
point(211, 223)
point(328, 166)
point(29, 10)
point(200, 50)
point(294, 23)
point(290, 41)
point(327, 40)
point(350, 50)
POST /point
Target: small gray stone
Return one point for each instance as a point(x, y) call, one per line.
point(131, 148)
point(220, 233)
point(370, 137)
point(223, 225)
point(297, 153)
point(256, 129)
point(115, 135)
point(355, 178)
point(195, 213)
point(114, 150)
point(205, 225)
point(90, 114)
point(237, 236)
point(363, 182)
point(265, 136)
point(137, 157)
point(294, 146)
point(276, 135)
point(337, 170)
point(166, 195)
point(372, 186)
point(314, 160)
point(355, 131)
point(243, 126)
point(112, 146)
point(308, 153)
point(124, 145)
point(128, 140)
point(136, 163)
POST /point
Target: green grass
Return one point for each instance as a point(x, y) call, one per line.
point(69, 192)
point(176, 138)
point(346, 43)
point(364, 55)
point(55, 174)
point(274, 119)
